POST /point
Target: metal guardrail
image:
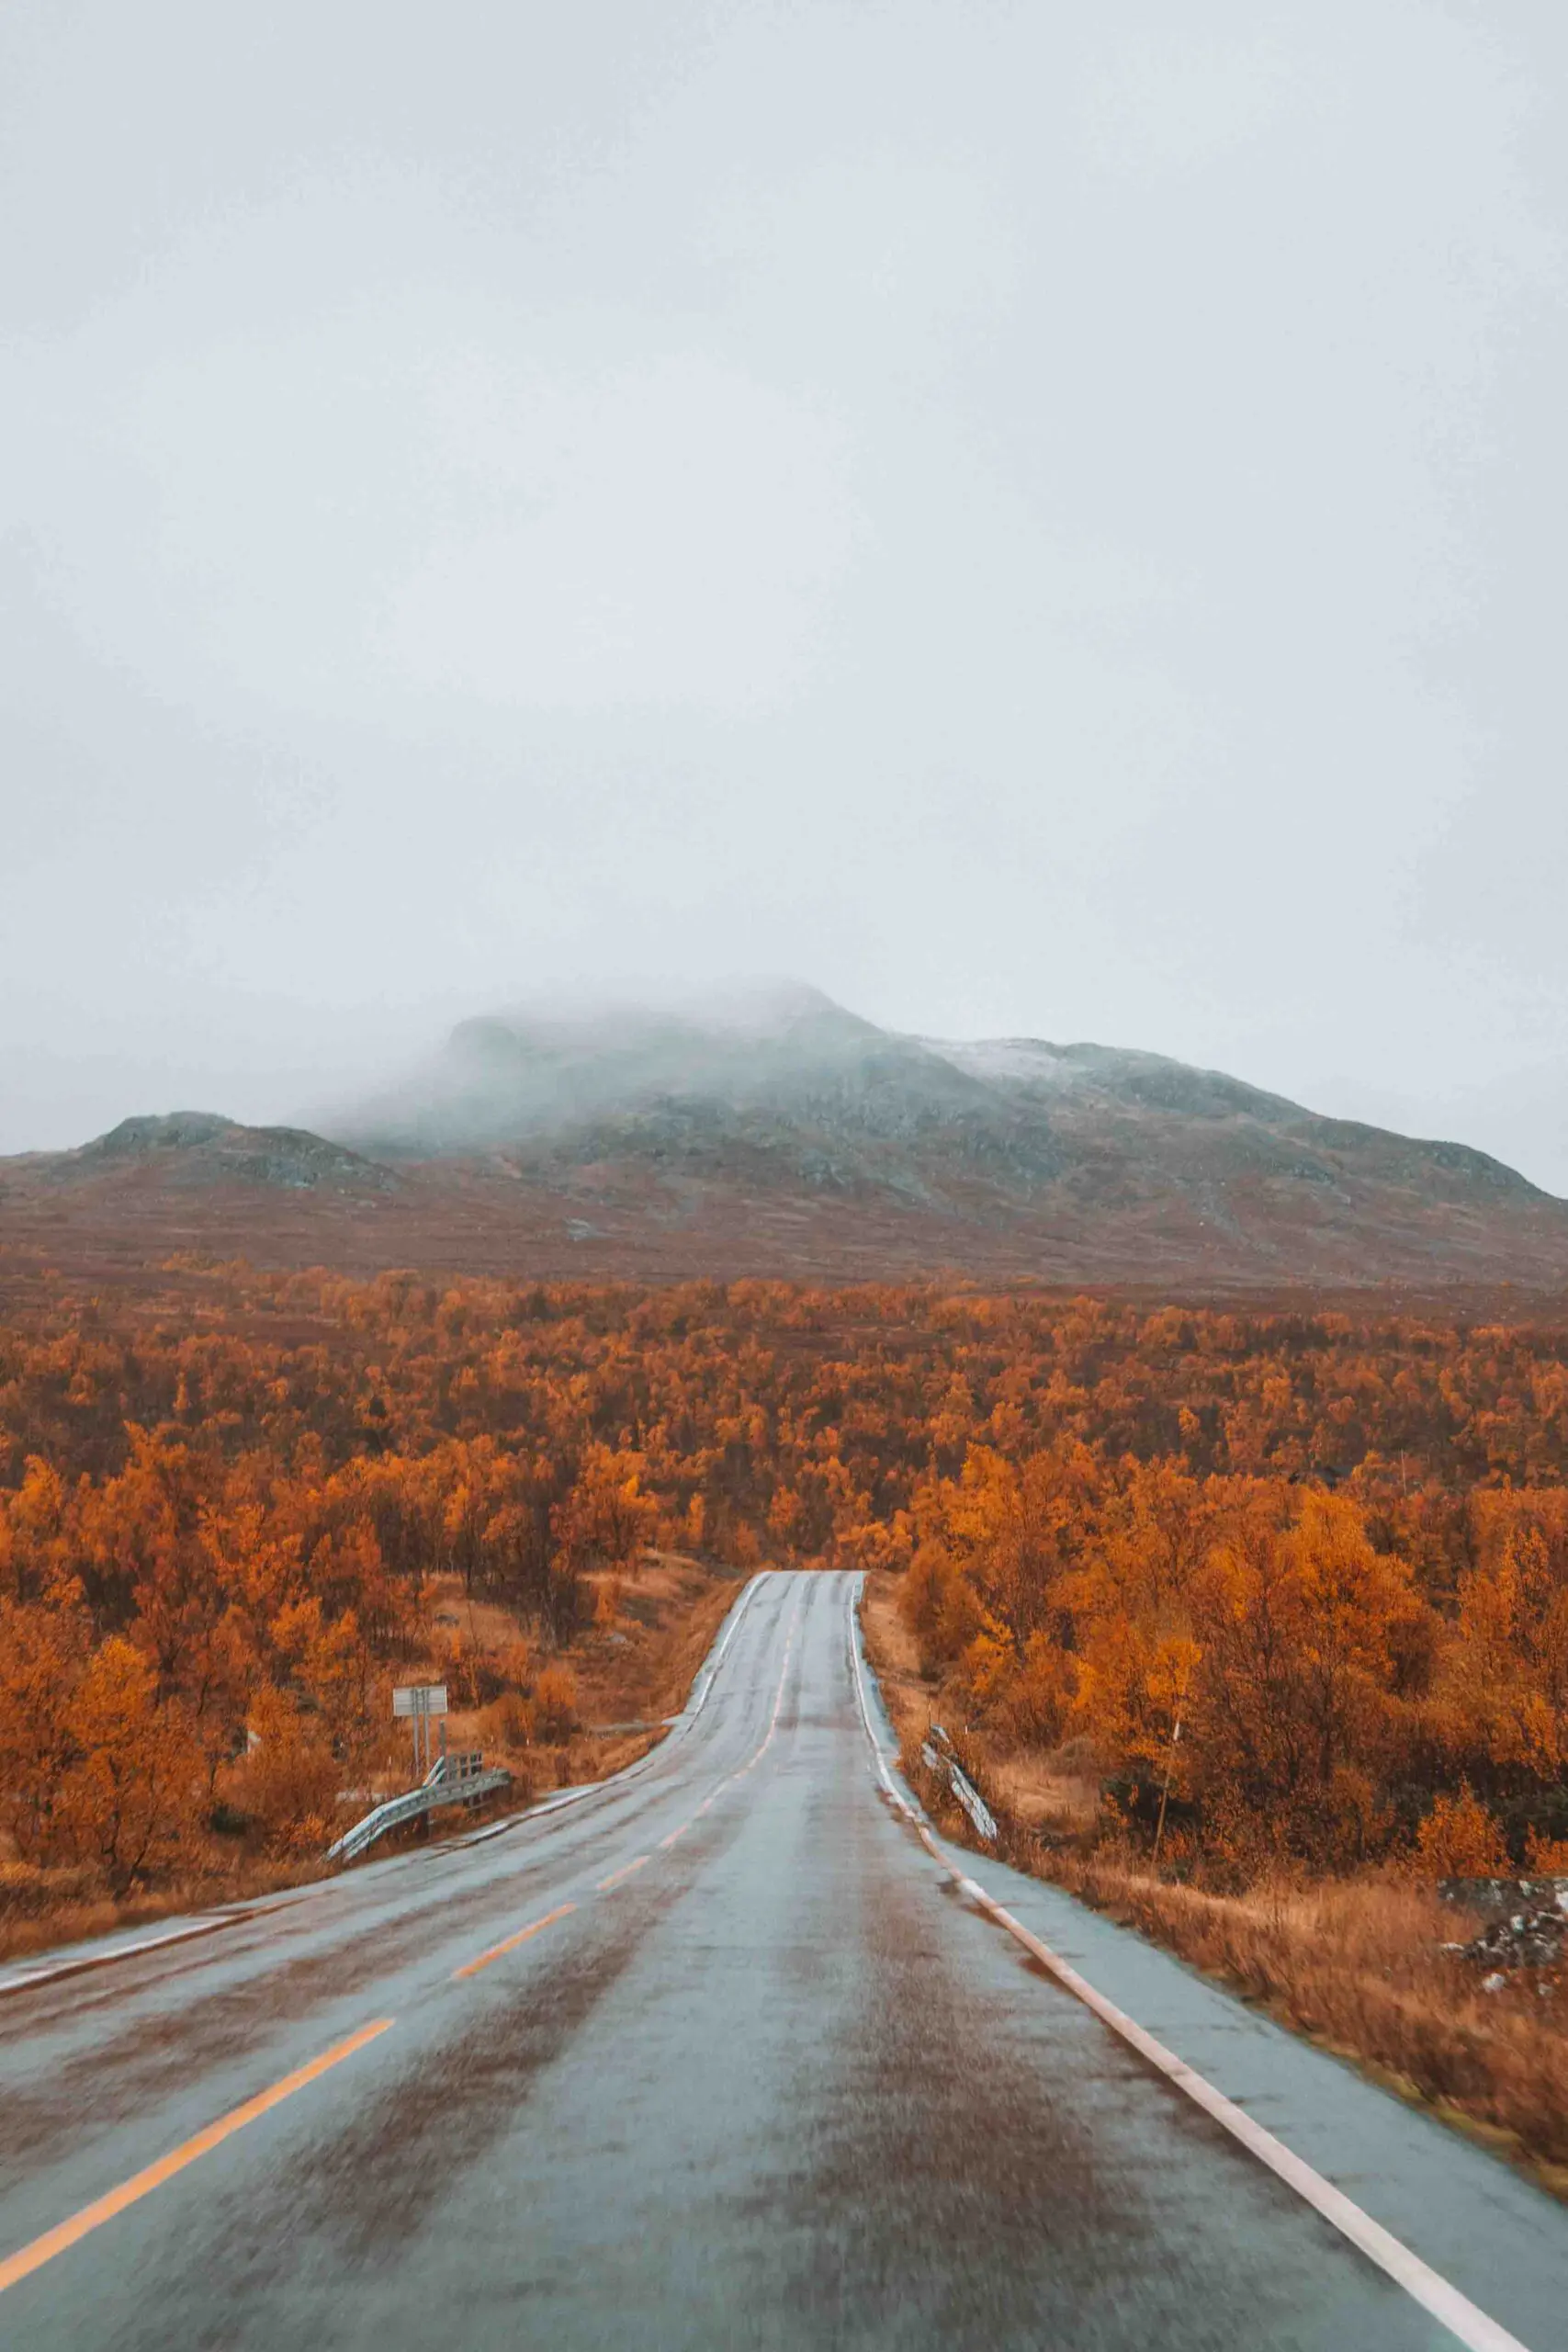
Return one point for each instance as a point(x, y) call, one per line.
point(937, 1755)
point(451, 1780)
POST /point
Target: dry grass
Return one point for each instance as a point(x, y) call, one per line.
point(1355, 1964)
point(41, 1909)
point(634, 1672)
point(637, 1670)
point(672, 1606)
point(1058, 1794)
point(909, 1699)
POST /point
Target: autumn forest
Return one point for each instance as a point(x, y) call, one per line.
point(1333, 1548)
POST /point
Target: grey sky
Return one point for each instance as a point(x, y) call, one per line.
point(1039, 519)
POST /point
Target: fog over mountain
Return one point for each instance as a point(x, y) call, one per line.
point(771, 1131)
point(1041, 518)
point(786, 1076)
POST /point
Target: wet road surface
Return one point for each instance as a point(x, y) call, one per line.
point(718, 2055)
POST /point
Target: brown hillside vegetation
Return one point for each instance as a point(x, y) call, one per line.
point(784, 1137)
point(622, 1217)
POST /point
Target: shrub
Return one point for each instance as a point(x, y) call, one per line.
point(509, 1722)
point(554, 1703)
point(1459, 1838)
point(287, 1782)
point(1546, 1857)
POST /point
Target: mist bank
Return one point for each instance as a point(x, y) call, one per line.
point(778, 1134)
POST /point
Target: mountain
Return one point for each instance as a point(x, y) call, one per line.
point(820, 1096)
point(775, 1133)
point(198, 1149)
point(528, 1077)
point(193, 1151)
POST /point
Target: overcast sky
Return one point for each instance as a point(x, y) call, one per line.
point(1040, 519)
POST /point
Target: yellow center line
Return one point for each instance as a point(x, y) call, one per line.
point(624, 1871)
point(472, 1967)
point(65, 2233)
point(674, 1833)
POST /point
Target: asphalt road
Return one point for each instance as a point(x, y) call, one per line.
point(720, 2055)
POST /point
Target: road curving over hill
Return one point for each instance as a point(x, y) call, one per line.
point(723, 2053)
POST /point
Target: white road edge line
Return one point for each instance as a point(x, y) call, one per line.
point(744, 1604)
point(1455, 2312)
point(606, 1885)
point(53, 1971)
point(618, 1779)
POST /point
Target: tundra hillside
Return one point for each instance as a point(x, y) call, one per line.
point(784, 1137)
point(1336, 1547)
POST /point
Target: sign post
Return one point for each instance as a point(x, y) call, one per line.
point(420, 1701)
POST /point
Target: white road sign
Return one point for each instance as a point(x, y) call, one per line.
point(419, 1699)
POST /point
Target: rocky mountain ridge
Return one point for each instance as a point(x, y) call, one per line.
point(195, 1149)
point(822, 1097)
point(784, 1135)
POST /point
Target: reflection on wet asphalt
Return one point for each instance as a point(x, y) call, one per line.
point(779, 2086)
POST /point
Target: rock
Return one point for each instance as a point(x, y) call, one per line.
point(1536, 1938)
